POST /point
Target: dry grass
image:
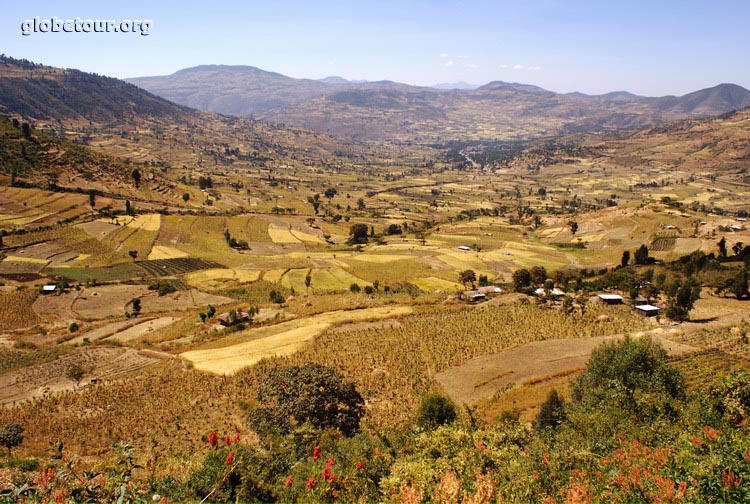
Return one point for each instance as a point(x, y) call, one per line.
point(16, 309)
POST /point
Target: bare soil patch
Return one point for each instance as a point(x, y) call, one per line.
point(481, 377)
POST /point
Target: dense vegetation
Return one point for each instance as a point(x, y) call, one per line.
point(629, 432)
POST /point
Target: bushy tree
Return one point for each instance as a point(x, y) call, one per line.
point(521, 280)
point(11, 435)
point(641, 255)
point(313, 393)
point(740, 284)
point(435, 410)
point(75, 372)
point(551, 413)
point(538, 275)
point(393, 229)
point(358, 234)
point(467, 276)
point(683, 299)
point(617, 371)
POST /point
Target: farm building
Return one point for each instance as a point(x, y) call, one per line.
point(489, 289)
point(648, 310)
point(226, 320)
point(472, 296)
point(610, 298)
point(475, 296)
point(464, 248)
point(49, 289)
point(554, 293)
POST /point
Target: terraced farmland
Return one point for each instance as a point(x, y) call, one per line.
point(178, 266)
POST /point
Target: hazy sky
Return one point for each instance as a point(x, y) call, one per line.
point(647, 47)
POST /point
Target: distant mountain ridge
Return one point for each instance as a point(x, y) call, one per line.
point(391, 110)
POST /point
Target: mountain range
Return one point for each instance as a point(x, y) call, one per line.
point(386, 110)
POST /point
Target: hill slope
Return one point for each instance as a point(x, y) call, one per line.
point(122, 120)
point(387, 110)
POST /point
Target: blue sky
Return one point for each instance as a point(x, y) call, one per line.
point(646, 47)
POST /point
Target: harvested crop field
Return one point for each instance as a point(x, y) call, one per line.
point(218, 277)
point(247, 348)
point(481, 377)
point(42, 379)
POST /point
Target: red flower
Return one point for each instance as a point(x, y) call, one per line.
point(711, 433)
point(237, 437)
point(288, 481)
point(230, 458)
point(730, 480)
point(360, 465)
point(213, 438)
point(327, 474)
point(227, 440)
point(317, 454)
point(311, 483)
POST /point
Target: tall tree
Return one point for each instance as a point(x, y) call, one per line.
point(136, 174)
point(625, 258)
point(641, 255)
point(722, 247)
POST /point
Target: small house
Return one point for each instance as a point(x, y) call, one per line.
point(475, 296)
point(489, 289)
point(226, 320)
point(648, 310)
point(464, 248)
point(610, 299)
point(554, 293)
point(49, 289)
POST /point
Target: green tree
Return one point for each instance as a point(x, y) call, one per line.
point(313, 393)
point(75, 372)
point(330, 193)
point(722, 247)
point(92, 198)
point(136, 302)
point(641, 255)
point(538, 275)
point(573, 226)
point(434, 411)
point(521, 280)
point(11, 435)
point(308, 281)
point(625, 258)
point(136, 174)
point(682, 301)
point(276, 297)
point(740, 284)
point(551, 413)
point(393, 229)
point(185, 197)
point(358, 234)
point(467, 276)
point(617, 371)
